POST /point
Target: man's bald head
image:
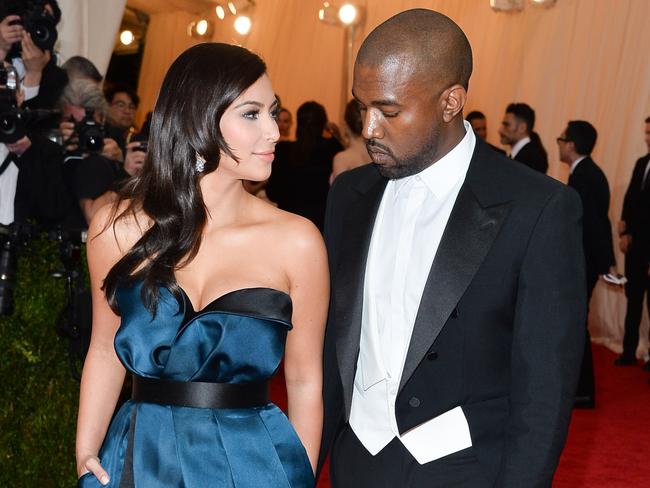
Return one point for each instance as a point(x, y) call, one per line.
point(435, 46)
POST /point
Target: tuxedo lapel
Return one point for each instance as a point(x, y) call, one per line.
point(472, 227)
point(351, 270)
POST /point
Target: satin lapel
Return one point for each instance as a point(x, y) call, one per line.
point(469, 234)
point(356, 232)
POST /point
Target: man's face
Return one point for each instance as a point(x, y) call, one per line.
point(480, 127)
point(78, 113)
point(647, 135)
point(512, 130)
point(401, 115)
point(564, 148)
point(121, 111)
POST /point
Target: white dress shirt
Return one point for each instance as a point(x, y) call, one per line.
point(8, 182)
point(410, 221)
point(519, 146)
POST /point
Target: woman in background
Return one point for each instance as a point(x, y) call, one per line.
point(196, 284)
point(356, 154)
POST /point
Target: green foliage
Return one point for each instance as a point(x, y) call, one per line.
point(38, 405)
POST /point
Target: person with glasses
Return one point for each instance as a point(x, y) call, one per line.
point(123, 103)
point(575, 145)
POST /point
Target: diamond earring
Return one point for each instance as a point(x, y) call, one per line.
point(199, 165)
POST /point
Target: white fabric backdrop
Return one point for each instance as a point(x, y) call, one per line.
point(88, 28)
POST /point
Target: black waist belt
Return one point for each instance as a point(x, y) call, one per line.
point(198, 394)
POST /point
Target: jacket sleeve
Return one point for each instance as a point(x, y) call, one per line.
point(547, 345)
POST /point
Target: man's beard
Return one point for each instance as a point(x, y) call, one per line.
point(407, 165)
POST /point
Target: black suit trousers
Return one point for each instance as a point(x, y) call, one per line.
point(638, 285)
point(352, 466)
point(586, 383)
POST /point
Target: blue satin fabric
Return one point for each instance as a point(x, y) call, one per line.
point(237, 338)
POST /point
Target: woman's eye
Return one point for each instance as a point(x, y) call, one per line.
point(275, 114)
point(253, 114)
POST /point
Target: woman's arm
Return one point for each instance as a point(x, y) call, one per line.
point(303, 364)
point(103, 374)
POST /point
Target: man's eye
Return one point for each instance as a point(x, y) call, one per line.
point(253, 114)
point(390, 114)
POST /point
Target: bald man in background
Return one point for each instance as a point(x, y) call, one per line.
point(455, 330)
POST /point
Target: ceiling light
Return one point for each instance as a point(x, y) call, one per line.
point(348, 13)
point(232, 8)
point(243, 25)
point(221, 13)
point(126, 37)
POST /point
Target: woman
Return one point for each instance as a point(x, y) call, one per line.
point(196, 284)
point(300, 179)
point(356, 154)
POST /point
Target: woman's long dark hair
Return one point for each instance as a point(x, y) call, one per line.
point(199, 86)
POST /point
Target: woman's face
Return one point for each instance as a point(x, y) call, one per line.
point(249, 128)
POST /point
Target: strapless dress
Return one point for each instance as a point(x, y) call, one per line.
point(237, 338)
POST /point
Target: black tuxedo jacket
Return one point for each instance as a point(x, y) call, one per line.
point(500, 328)
point(636, 207)
point(591, 184)
point(534, 156)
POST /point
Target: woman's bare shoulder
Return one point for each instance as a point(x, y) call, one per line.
point(116, 229)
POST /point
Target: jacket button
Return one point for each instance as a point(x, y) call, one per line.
point(432, 356)
point(414, 402)
point(454, 313)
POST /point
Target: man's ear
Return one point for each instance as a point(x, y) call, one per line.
point(453, 100)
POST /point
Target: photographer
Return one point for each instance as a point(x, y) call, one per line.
point(27, 37)
point(93, 162)
point(32, 186)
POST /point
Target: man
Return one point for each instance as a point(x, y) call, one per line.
point(479, 125)
point(93, 175)
point(459, 370)
point(122, 105)
point(43, 81)
point(517, 132)
point(634, 230)
point(575, 146)
point(32, 187)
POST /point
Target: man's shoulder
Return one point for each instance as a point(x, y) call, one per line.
point(518, 182)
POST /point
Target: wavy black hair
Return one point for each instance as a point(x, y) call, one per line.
point(198, 88)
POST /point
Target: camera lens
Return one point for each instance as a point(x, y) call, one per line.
point(7, 276)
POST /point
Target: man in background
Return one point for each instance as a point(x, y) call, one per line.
point(575, 145)
point(479, 124)
point(634, 231)
point(517, 132)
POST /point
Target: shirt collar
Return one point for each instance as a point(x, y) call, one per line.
point(441, 177)
point(574, 165)
point(518, 145)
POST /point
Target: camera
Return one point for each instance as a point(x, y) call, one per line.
point(89, 133)
point(36, 20)
point(14, 122)
point(8, 261)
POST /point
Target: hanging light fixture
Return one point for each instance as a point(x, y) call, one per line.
point(543, 3)
point(507, 5)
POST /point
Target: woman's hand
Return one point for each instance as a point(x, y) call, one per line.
point(91, 464)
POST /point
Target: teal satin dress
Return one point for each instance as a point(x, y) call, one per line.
point(238, 338)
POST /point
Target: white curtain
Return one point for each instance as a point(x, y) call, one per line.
point(88, 28)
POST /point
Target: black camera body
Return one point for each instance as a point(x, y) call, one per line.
point(14, 122)
point(40, 24)
point(90, 134)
